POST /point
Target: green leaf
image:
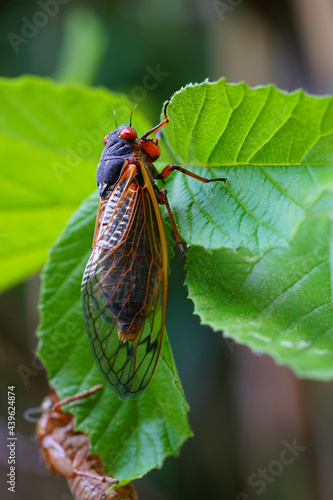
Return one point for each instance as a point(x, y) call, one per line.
point(50, 143)
point(260, 266)
point(133, 436)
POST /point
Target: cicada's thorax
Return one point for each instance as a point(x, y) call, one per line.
point(117, 150)
point(127, 225)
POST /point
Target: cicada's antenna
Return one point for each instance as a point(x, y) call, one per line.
point(132, 115)
point(115, 117)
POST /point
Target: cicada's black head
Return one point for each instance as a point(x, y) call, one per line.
point(118, 147)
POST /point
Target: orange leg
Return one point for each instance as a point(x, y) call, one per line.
point(172, 167)
point(160, 125)
point(164, 200)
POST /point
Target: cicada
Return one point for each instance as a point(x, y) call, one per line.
point(124, 287)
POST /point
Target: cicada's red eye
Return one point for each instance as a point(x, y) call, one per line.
point(128, 133)
point(105, 138)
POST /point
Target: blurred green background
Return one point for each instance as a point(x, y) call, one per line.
point(244, 409)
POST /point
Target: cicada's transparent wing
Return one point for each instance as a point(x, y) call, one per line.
point(123, 288)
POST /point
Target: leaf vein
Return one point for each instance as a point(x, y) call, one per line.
point(253, 123)
point(283, 123)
